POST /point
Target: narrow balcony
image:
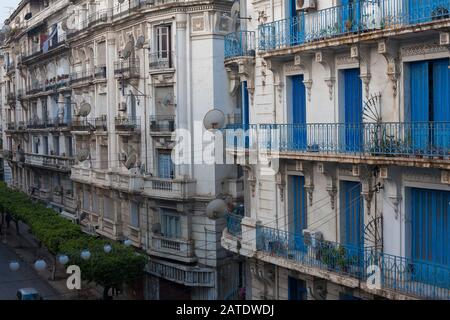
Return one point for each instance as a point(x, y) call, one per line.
point(11, 97)
point(38, 50)
point(387, 142)
point(185, 275)
point(10, 68)
point(234, 226)
point(399, 275)
point(240, 44)
point(162, 124)
point(60, 163)
point(179, 189)
point(82, 77)
point(355, 18)
point(99, 178)
point(175, 249)
point(83, 124)
point(34, 88)
point(127, 68)
point(127, 182)
point(129, 124)
point(49, 123)
point(161, 60)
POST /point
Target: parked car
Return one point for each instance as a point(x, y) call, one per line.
point(28, 294)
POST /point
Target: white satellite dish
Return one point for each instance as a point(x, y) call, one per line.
point(126, 53)
point(83, 155)
point(214, 119)
point(140, 42)
point(216, 208)
point(131, 160)
point(85, 109)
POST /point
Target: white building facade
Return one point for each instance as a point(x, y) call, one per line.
point(124, 76)
point(347, 108)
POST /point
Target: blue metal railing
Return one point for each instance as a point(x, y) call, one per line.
point(356, 17)
point(234, 224)
point(418, 278)
point(388, 139)
point(239, 136)
point(239, 44)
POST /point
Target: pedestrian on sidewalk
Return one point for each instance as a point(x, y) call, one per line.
point(8, 220)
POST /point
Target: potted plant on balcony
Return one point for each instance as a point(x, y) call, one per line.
point(348, 25)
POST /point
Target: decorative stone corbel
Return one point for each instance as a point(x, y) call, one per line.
point(304, 61)
point(276, 68)
point(365, 175)
point(246, 73)
point(364, 59)
point(250, 178)
point(281, 184)
point(233, 80)
point(326, 59)
point(390, 51)
point(395, 200)
point(330, 172)
point(308, 172)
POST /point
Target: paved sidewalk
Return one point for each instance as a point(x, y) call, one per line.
point(26, 247)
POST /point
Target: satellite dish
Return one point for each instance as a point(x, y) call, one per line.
point(6, 28)
point(216, 208)
point(126, 53)
point(140, 42)
point(85, 109)
point(131, 160)
point(214, 119)
point(82, 155)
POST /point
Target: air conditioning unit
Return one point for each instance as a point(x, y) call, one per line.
point(355, 170)
point(304, 5)
point(312, 238)
point(445, 177)
point(123, 106)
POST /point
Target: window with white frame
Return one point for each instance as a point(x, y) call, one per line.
point(170, 224)
point(163, 42)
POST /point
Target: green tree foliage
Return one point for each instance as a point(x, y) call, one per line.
point(60, 236)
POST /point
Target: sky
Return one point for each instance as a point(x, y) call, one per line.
point(6, 8)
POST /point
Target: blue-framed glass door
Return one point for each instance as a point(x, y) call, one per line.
point(297, 210)
point(297, 289)
point(298, 113)
point(352, 110)
point(352, 215)
point(430, 234)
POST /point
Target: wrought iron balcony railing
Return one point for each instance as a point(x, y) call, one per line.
point(127, 124)
point(355, 17)
point(127, 68)
point(388, 139)
point(45, 123)
point(405, 275)
point(240, 44)
point(161, 60)
point(162, 123)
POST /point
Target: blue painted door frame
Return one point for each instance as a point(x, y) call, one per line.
point(297, 289)
point(298, 113)
point(297, 210)
point(352, 110)
point(430, 233)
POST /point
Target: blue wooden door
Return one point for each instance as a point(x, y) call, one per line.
point(352, 217)
point(441, 106)
point(298, 113)
point(297, 211)
point(297, 289)
point(352, 110)
point(295, 24)
point(421, 11)
point(245, 112)
point(430, 235)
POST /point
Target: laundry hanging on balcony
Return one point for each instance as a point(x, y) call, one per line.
point(52, 34)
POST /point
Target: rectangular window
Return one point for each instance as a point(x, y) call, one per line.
point(69, 148)
point(134, 214)
point(86, 199)
point(165, 166)
point(95, 203)
point(170, 224)
point(163, 42)
point(45, 145)
point(36, 145)
point(56, 145)
point(108, 208)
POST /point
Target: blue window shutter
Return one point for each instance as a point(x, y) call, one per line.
point(298, 113)
point(165, 166)
point(420, 104)
point(352, 109)
point(352, 217)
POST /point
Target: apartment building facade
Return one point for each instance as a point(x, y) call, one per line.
point(122, 78)
point(344, 141)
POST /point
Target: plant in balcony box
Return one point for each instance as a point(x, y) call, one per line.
point(348, 25)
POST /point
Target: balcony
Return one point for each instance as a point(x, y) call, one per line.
point(100, 72)
point(100, 178)
point(185, 275)
point(352, 19)
point(82, 77)
point(11, 97)
point(169, 188)
point(127, 68)
point(387, 142)
point(49, 123)
point(234, 224)
point(127, 124)
point(176, 249)
point(127, 182)
point(60, 163)
point(11, 67)
point(240, 44)
point(162, 124)
point(36, 51)
point(36, 87)
point(161, 60)
point(418, 279)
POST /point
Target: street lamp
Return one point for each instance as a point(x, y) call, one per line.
point(14, 266)
point(107, 248)
point(63, 259)
point(85, 255)
point(40, 265)
point(127, 242)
